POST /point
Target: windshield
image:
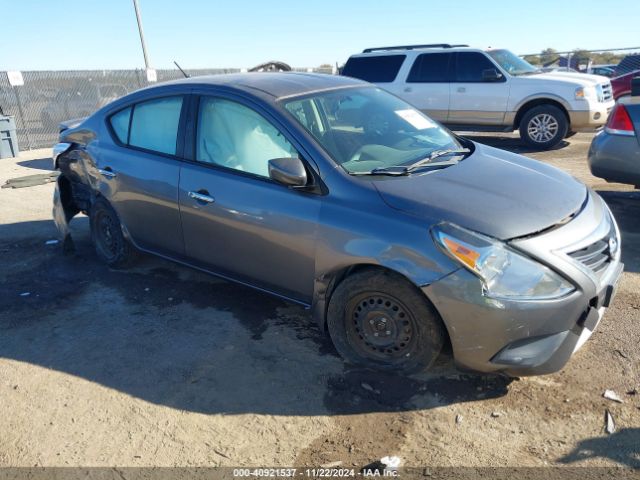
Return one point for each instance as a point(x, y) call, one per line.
point(364, 129)
point(512, 63)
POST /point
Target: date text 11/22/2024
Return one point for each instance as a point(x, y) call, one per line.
point(313, 472)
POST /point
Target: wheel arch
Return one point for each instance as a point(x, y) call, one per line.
point(326, 285)
point(530, 103)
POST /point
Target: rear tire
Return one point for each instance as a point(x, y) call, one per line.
point(106, 234)
point(543, 127)
point(379, 320)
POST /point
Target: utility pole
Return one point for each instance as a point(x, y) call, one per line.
point(144, 46)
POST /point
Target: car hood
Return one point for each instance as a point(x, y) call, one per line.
point(492, 191)
point(580, 79)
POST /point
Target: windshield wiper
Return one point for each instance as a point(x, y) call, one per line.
point(428, 160)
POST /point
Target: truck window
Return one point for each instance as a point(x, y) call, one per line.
point(379, 69)
point(430, 68)
point(470, 65)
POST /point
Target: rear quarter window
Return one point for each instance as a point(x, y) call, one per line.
point(120, 124)
point(378, 69)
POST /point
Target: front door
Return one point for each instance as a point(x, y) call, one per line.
point(475, 101)
point(236, 220)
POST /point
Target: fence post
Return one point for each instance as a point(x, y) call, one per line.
point(21, 115)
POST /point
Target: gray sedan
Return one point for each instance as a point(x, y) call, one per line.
point(399, 236)
point(614, 154)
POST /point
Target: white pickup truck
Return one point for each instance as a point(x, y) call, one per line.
point(494, 90)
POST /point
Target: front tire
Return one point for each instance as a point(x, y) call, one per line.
point(379, 320)
point(543, 127)
point(106, 234)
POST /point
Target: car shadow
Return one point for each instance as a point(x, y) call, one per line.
point(622, 447)
point(38, 163)
point(511, 144)
point(176, 337)
point(625, 207)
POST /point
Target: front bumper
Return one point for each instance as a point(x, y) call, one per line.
point(591, 119)
point(522, 338)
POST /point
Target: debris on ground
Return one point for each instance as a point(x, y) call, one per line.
point(335, 464)
point(391, 463)
point(52, 242)
point(496, 414)
point(31, 180)
point(611, 395)
point(609, 424)
point(621, 353)
point(633, 391)
point(459, 419)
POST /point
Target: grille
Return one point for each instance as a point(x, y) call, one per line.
point(607, 93)
point(596, 257)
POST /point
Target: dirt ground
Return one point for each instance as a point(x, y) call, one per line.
point(164, 366)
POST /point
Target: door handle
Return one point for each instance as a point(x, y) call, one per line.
point(201, 196)
point(462, 89)
point(107, 172)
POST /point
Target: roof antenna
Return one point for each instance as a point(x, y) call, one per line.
point(180, 68)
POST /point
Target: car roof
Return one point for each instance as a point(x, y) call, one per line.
point(276, 84)
point(405, 51)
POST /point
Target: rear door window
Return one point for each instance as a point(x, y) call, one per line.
point(430, 68)
point(154, 125)
point(378, 69)
point(470, 65)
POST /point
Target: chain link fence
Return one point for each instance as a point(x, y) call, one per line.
point(50, 97)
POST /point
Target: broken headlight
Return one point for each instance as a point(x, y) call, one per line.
point(505, 273)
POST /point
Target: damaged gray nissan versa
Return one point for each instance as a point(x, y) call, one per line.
point(399, 235)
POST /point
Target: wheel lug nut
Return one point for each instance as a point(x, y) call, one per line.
point(371, 322)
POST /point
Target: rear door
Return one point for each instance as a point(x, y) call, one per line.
point(475, 101)
point(236, 220)
point(427, 84)
point(138, 171)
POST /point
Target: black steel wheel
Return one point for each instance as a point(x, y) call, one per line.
point(379, 320)
point(380, 326)
point(106, 233)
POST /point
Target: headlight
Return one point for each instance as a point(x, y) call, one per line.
point(504, 272)
point(586, 93)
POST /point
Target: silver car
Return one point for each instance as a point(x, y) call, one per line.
point(398, 235)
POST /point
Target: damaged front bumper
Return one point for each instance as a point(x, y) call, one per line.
point(533, 337)
point(517, 338)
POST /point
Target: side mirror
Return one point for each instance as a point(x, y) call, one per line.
point(288, 171)
point(491, 75)
point(635, 87)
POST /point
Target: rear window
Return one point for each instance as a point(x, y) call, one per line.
point(430, 68)
point(379, 69)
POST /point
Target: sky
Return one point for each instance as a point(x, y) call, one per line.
point(103, 34)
